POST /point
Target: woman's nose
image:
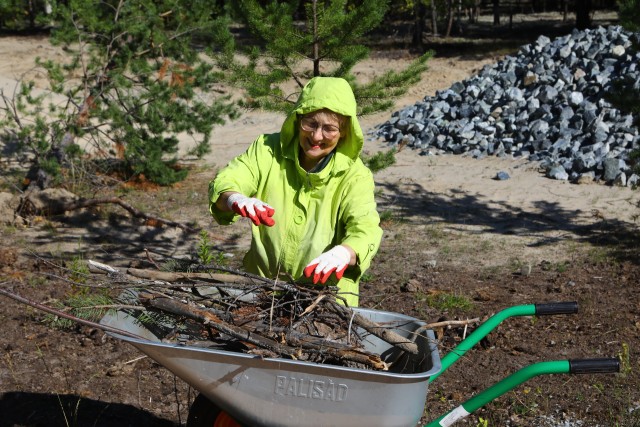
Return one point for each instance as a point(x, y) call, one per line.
point(317, 134)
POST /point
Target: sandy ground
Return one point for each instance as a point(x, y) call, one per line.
point(519, 216)
point(447, 177)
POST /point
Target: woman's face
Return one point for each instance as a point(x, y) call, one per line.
point(319, 134)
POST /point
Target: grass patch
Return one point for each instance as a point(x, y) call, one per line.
point(9, 230)
point(435, 232)
point(366, 277)
point(559, 267)
point(379, 161)
point(599, 255)
point(389, 217)
point(447, 301)
point(386, 216)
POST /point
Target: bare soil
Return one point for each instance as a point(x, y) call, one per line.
point(469, 242)
point(82, 377)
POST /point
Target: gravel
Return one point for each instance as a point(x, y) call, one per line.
point(549, 104)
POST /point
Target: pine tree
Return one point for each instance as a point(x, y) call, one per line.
point(629, 11)
point(21, 15)
point(133, 83)
point(626, 93)
point(327, 40)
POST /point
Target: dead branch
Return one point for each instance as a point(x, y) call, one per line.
point(99, 267)
point(323, 347)
point(209, 319)
point(347, 314)
point(168, 276)
point(274, 284)
point(447, 323)
point(439, 327)
point(375, 329)
point(269, 317)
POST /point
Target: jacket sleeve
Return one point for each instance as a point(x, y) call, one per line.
point(360, 219)
point(242, 174)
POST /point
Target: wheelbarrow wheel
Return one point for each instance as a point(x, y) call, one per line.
point(205, 413)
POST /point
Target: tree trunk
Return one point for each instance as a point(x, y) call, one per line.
point(475, 12)
point(316, 47)
point(434, 18)
point(511, 16)
point(449, 17)
point(418, 24)
point(496, 12)
point(459, 17)
point(583, 14)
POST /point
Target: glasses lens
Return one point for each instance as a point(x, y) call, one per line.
point(328, 131)
point(308, 125)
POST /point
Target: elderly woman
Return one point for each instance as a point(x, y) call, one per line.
point(308, 194)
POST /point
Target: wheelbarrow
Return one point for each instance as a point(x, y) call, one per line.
point(255, 391)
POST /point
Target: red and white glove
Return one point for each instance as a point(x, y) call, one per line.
point(335, 260)
point(258, 211)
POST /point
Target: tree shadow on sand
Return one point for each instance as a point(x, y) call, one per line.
point(548, 223)
point(121, 240)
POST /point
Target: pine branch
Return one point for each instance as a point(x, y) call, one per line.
point(55, 312)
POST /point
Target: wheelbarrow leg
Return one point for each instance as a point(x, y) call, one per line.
point(204, 413)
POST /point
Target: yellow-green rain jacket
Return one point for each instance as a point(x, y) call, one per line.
point(313, 211)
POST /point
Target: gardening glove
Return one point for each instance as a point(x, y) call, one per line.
point(258, 211)
point(335, 260)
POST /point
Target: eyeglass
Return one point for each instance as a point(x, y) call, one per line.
point(310, 125)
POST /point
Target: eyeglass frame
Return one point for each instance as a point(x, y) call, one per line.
point(317, 126)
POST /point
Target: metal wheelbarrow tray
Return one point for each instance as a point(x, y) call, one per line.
point(260, 391)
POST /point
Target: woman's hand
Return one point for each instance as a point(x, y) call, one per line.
point(335, 260)
point(255, 209)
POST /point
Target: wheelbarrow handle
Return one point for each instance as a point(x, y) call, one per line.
point(551, 308)
point(491, 323)
point(594, 366)
point(580, 366)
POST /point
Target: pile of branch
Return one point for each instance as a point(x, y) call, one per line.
point(219, 307)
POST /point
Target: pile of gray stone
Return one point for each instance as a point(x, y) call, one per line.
point(550, 103)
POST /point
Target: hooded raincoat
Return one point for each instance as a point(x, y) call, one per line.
point(313, 211)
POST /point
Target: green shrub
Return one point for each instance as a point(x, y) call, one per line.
point(380, 161)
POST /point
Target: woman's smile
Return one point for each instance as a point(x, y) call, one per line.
point(319, 135)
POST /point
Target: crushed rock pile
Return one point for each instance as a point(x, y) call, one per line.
point(549, 103)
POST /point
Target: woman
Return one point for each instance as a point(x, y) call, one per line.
point(310, 197)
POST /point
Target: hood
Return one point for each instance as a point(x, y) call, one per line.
point(336, 95)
